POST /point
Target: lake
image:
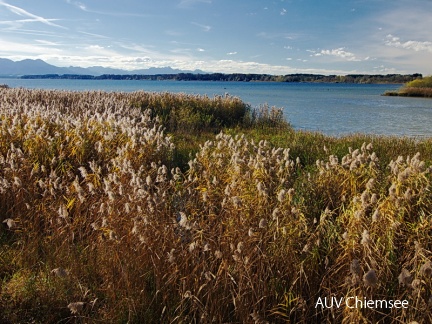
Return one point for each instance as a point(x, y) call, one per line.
point(331, 108)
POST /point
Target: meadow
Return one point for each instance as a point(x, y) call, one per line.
point(173, 208)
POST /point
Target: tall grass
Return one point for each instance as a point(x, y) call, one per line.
point(416, 92)
point(416, 88)
point(100, 223)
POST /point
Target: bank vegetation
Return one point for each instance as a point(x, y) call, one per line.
point(417, 88)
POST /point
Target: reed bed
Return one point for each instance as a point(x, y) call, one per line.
point(416, 88)
point(100, 223)
point(416, 92)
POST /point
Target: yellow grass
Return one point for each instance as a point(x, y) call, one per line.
point(96, 227)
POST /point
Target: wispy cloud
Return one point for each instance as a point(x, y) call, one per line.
point(417, 46)
point(78, 4)
point(276, 35)
point(14, 49)
point(86, 8)
point(15, 24)
point(232, 53)
point(93, 35)
point(47, 43)
point(190, 3)
point(33, 18)
point(205, 28)
point(283, 12)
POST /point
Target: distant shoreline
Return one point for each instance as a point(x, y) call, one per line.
point(294, 78)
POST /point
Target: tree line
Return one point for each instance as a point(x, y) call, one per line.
point(242, 77)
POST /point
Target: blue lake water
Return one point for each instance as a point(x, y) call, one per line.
point(334, 109)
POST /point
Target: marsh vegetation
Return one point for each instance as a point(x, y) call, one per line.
point(155, 207)
point(421, 87)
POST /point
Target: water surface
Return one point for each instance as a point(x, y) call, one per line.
point(334, 109)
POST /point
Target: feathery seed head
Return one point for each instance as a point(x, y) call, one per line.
point(76, 307)
point(376, 215)
point(345, 235)
point(355, 267)
point(281, 195)
point(218, 254)
point(365, 198)
point(60, 272)
point(17, 182)
point(426, 269)
point(251, 232)
point(408, 194)
point(192, 246)
point(365, 238)
point(275, 213)
point(239, 247)
point(370, 278)
point(405, 278)
point(370, 184)
point(10, 223)
point(237, 202)
point(392, 190)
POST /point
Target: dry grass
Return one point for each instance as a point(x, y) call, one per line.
point(416, 88)
point(96, 228)
point(416, 92)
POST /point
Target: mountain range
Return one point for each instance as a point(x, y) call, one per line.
point(38, 67)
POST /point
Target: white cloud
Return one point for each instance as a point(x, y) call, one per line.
point(95, 47)
point(337, 52)
point(283, 12)
point(409, 45)
point(142, 60)
point(232, 53)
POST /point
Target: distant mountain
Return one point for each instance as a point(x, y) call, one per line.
point(38, 67)
point(9, 67)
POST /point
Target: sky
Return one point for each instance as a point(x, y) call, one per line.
point(229, 36)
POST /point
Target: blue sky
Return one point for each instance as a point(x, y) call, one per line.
point(245, 36)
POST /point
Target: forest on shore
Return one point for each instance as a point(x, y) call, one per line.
point(351, 78)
